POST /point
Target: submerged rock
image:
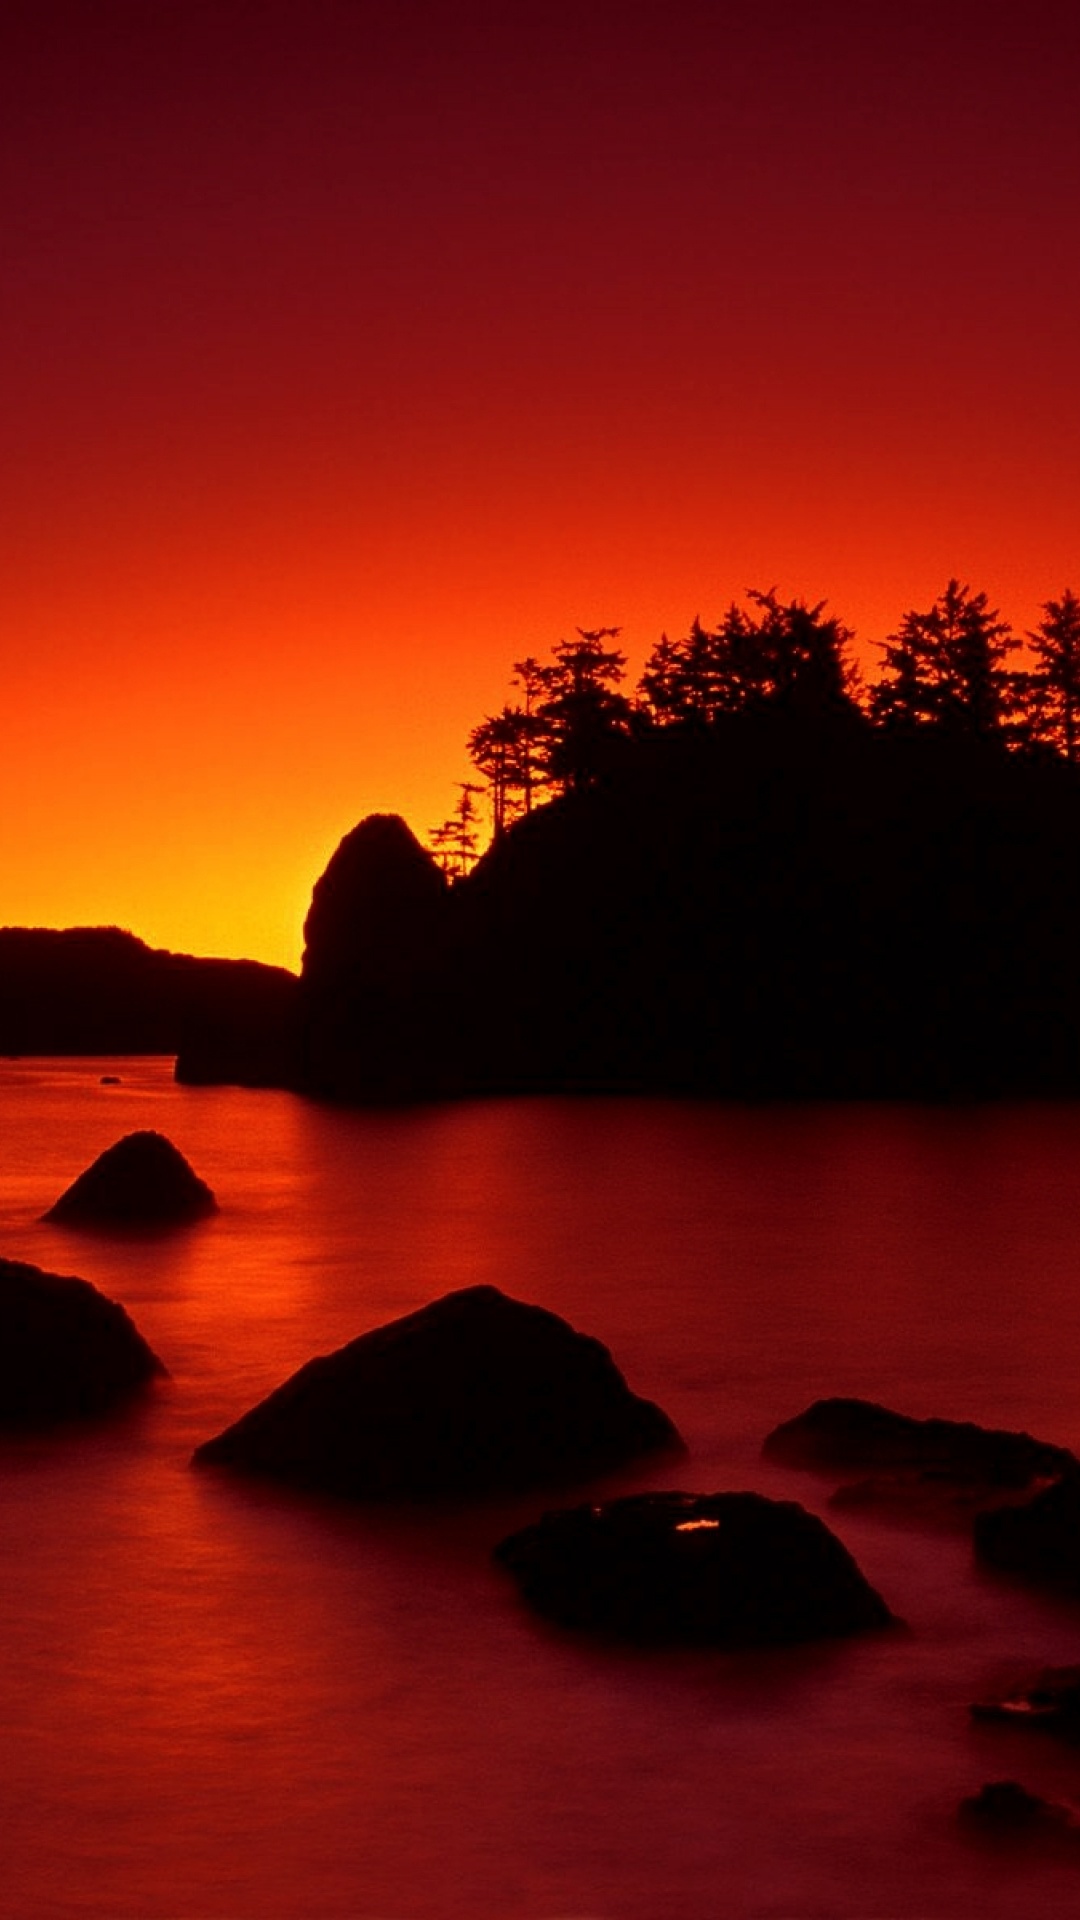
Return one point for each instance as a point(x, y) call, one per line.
point(143, 1180)
point(860, 1433)
point(476, 1393)
point(925, 1468)
point(721, 1568)
point(1005, 1807)
point(66, 1351)
point(1039, 1540)
point(1050, 1701)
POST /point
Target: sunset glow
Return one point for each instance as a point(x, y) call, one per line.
point(351, 353)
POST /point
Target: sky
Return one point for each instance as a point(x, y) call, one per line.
point(350, 352)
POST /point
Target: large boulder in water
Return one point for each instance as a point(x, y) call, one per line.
point(141, 1181)
point(474, 1394)
point(720, 1568)
point(66, 1351)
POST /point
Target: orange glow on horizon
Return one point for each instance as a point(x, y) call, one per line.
point(349, 364)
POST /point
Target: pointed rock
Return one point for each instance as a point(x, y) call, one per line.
point(143, 1180)
point(475, 1394)
point(66, 1350)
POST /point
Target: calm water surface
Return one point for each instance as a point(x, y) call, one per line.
point(218, 1702)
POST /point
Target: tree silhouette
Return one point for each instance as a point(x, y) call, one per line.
point(787, 653)
point(528, 674)
point(494, 749)
point(582, 711)
point(946, 667)
point(802, 656)
point(455, 843)
point(1054, 685)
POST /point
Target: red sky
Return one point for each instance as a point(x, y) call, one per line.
point(349, 352)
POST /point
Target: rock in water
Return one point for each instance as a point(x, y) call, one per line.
point(141, 1181)
point(1004, 1808)
point(1040, 1540)
point(721, 1568)
point(860, 1434)
point(474, 1394)
point(1048, 1700)
point(931, 1470)
point(66, 1351)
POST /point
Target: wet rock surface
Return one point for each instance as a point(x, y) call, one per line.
point(474, 1394)
point(67, 1352)
point(721, 1569)
point(1048, 1701)
point(143, 1180)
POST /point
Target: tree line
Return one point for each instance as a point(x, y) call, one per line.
point(951, 667)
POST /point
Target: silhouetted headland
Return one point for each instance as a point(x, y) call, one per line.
point(790, 904)
point(98, 990)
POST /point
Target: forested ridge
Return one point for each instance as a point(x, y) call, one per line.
point(957, 667)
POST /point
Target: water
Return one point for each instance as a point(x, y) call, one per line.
point(218, 1701)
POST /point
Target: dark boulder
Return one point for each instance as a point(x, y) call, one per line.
point(1005, 1808)
point(925, 1467)
point(1039, 1540)
point(374, 911)
point(474, 1394)
point(722, 1568)
point(1049, 1701)
point(141, 1181)
point(66, 1351)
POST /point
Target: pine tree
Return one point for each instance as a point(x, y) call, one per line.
point(1054, 685)
point(455, 843)
point(946, 667)
point(582, 711)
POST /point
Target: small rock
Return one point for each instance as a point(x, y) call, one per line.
point(1051, 1700)
point(722, 1568)
point(1005, 1807)
point(143, 1180)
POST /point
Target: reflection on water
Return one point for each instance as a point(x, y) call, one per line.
point(220, 1700)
